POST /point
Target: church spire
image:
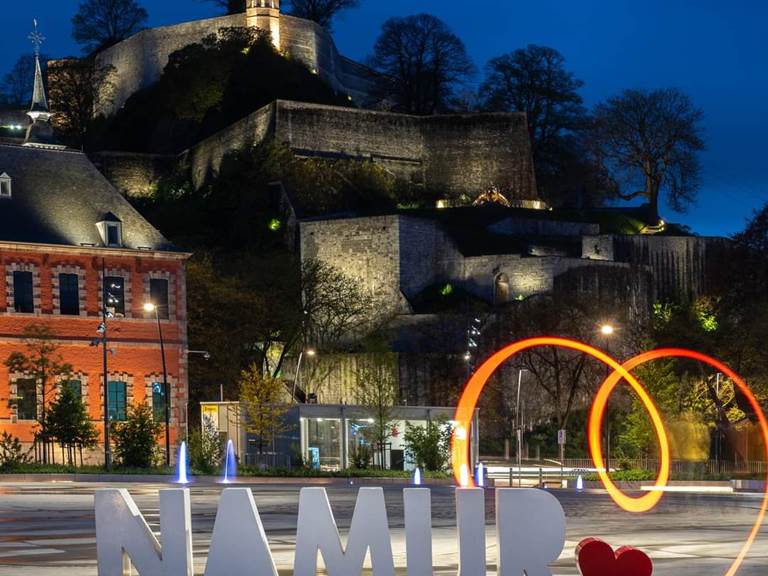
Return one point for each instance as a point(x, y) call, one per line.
point(39, 106)
point(40, 132)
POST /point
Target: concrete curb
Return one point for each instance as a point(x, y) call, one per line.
point(211, 480)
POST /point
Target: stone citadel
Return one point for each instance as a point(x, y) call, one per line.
point(497, 254)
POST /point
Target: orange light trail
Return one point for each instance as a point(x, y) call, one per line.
point(471, 395)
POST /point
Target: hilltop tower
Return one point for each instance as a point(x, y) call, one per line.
point(264, 15)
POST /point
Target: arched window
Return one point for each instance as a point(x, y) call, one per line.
point(501, 289)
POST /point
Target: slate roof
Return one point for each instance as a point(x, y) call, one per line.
point(58, 196)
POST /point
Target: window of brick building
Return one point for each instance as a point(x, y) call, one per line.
point(117, 400)
point(23, 294)
point(76, 386)
point(158, 401)
point(26, 391)
point(158, 295)
point(69, 294)
point(114, 293)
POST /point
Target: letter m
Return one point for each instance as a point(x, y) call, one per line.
point(317, 532)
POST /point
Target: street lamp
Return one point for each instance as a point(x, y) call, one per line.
point(150, 308)
point(311, 352)
point(607, 330)
point(519, 430)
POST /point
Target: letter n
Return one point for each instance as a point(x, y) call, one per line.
point(123, 537)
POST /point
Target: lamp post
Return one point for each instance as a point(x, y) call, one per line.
point(607, 330)
point(151, 307)
point(309, 352)
point(519, 430)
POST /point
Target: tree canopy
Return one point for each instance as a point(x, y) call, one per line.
point(650, 141)
point(321, 11)
point(99, 24)
point(421, 63)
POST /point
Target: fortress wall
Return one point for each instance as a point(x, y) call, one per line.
point(134, 175)
point(491, 149)
point(682, 265)
point(364, 249)
point(205, 159)
point(333, 130)
point(140, 60)
point(427, 255)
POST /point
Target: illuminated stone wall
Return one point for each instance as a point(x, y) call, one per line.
point(457, 154)
point(140, 60)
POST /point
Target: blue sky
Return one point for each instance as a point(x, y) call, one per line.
point(713, 50)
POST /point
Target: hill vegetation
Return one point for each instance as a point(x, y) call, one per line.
point(206, 87)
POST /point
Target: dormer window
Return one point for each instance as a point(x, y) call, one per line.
point(111, 230)
point(5, 185)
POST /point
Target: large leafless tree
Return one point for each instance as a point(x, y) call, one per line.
point(650, 141)
point(421, 62)
point(534, 80)
point(99, 24)
point(76, 87)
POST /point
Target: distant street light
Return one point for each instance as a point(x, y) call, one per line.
point(607, 330)
point(311, 352)
point(152, 308)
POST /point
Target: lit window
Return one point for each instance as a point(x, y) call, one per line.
point(117, 395)
point(5, 185)
point(114, 295)
point(158, 401)
point(111, 230)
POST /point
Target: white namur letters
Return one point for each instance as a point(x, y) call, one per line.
point(123, 536)
point(530, 526)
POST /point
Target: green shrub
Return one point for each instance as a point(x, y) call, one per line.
point(206, 450)
point(135, 440)
point(12, 454)
point(429, 446)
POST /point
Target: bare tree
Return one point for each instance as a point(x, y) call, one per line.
point(99, 24)
point(321, 11)
point(421, 62)
point(76, 87)
point(651, 140)
point(377, 390)
point(20, 79)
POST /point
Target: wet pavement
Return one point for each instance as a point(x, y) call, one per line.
point(47, 529)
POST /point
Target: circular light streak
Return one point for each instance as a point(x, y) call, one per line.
point(473, 389)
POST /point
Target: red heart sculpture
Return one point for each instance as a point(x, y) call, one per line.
point(596, 558)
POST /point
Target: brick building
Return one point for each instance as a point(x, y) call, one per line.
point(67, 239)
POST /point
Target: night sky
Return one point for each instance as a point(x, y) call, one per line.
point(713, 50)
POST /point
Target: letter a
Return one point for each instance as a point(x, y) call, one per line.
point(239, 544)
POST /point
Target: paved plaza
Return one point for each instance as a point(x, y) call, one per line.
point(47, 529)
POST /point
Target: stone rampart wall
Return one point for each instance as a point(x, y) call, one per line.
point(140, 60)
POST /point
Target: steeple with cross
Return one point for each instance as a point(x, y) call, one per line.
point(39, 101)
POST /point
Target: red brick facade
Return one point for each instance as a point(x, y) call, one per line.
point(136, 359)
